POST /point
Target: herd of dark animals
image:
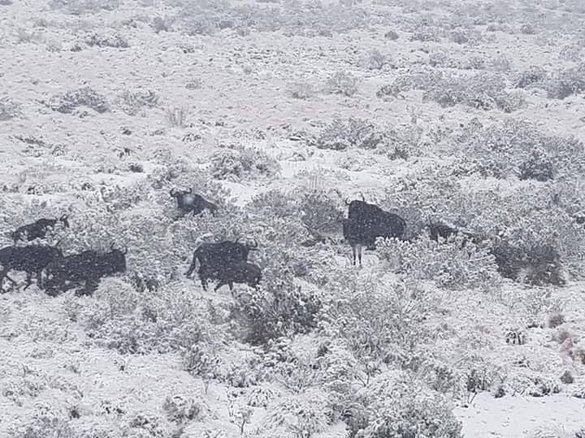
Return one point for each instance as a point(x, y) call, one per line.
point(224, 261)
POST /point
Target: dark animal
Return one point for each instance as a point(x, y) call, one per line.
point(446, 232)
point(32, 259)
point(88, 267)
point(213, 257)
point(241, 272)
point(187, 201)
point(366, 222)
point(38, 229)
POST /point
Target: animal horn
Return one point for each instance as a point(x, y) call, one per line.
point(125, 250)
point(190, 190)
point(363, 198)
point(64, 217)
point(237, 239)
point(173, 191)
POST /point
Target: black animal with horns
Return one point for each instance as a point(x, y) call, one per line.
point(365, 223)
point(189, 202)
point(215, 259)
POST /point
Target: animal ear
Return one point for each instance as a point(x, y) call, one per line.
point(173, 191)
point(363, 199)
point(125, 251)
point(255, 245)
point(347, 201)
point(64, 217)
point(238, 239)
point(112, 246)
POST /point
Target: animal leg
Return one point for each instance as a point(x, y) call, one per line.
point(220, 284)
point(359, 252)
point(203, 283)
point(231, 285)
point(353, 254)
point(40, 279)
point(28, 280)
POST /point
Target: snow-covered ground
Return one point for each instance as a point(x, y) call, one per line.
point(279, 110)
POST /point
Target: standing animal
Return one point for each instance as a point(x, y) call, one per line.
point(32, 259)
point(366, 222)
point(240, 272)
point(375, 222)
point(187, 201)
point(88, 267)
point(38, 229)
point(213, 257)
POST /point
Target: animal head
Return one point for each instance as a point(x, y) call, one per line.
point(117, 258)
point(180, 193)
point(249, 246)
point(65, 220)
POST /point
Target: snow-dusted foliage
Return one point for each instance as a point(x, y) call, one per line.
point(242, 162)
point(8, 109)
point(462, 113)
point(86, 97)
point(457, 264)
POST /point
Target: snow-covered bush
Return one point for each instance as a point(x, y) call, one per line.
point(566, 82)
point(243, 162)
point(147, 425)
point(343, 134)
point(453, 265)
point(101, 40)
point(479, 90)
point(397, 406)
point(8, 109)
point(519, 148)
point(420, 78)
point(176, 117)
point(271, 312)
point(378, 321)
point(426, 34)
point(302, 90)
point(342, 82)
point(538, 166)
point(133, 101)
point(120, 318)
point(298, 416)
point(162, 24)
point(182, 409)
point(532, 383)
point(79, 7)
point(533, 77)
point(376, 60)
point(534, 264)
point(68, 102)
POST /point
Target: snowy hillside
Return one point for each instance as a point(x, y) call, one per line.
point(466, 112)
